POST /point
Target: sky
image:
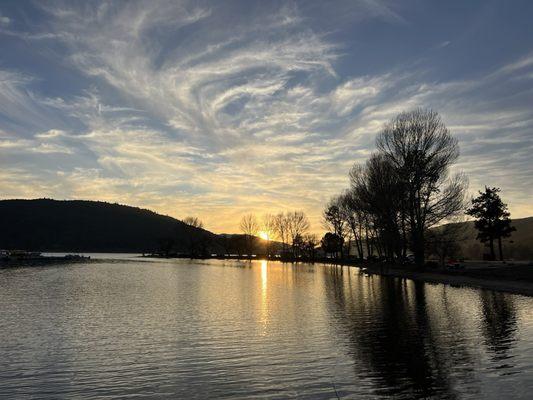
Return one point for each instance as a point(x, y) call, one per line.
point(223, 108)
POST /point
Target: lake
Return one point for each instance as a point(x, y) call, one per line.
point(123, 326)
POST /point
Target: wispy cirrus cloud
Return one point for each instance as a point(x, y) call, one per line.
point(188, 109)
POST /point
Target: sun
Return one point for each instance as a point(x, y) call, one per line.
point(263, 235)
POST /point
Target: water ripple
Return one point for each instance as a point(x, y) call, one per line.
point(219, 329)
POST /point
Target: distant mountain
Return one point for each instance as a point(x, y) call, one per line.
point(518, 247)
point(76, 225)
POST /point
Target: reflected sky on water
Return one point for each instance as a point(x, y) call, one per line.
point(230, 329)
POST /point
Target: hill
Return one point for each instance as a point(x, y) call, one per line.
point(77, 225)
point(518, 247)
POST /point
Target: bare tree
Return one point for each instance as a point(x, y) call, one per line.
point(197, 240)
point(352, 212)
point(281, 228)
point(249, 226)
point(268, 226)
point(194, 222)
point(334, 220)
point(378, 190)
point(358, 190)
point(421, 150)
point(310, 243)
point(298, 225)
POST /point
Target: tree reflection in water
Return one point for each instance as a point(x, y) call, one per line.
point(499, 323)
point(408, 344)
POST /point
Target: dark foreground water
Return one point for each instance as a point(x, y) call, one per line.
point(213, 329)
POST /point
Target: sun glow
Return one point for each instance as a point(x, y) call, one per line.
point(263, 235)
point(264, 298)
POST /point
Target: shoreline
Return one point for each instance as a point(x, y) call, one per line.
point(498, 279)
point(505, 278)
point(463, 279)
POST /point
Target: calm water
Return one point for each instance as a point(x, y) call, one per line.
point(213, 329)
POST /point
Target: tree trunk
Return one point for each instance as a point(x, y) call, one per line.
point(491, 245)
point(404, 238)
point(419, 258)
point(500, 248)
point(360, 248)
point(368, 252)
point(418, 249)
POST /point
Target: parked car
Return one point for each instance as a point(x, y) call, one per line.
point(454, 265)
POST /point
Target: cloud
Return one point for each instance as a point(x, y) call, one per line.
point(18, 106)
point(380, 9)
point(190, 112)
point(4, 21)
point(356, 92)
point(522, 63)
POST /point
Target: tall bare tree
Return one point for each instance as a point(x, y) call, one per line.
point(268, 226)
point(352, 212)
point(421, 150)
point(334, 220)
point(281, 227)
point(378, 190)
point(298, 225)
point(250, 227)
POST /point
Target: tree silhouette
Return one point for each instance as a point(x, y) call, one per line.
point(492, 219)
point(378, 190)
point(332, 243)
point(249, 226)
point(402, 191)
point(334, 220)
point(298, 225)
point(197, 242)
point(193, 221)
point(281, 228)
point(352, 211)
point(421, 150)
point(310, 242)
point(268, 227)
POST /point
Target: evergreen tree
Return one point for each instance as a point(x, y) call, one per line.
point(492, 219)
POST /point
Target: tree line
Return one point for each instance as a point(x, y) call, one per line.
point(402, 190)
point(401, 196)
point(397, 207)
point(284, 233)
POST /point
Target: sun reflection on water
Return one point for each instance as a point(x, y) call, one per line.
point(264, 297)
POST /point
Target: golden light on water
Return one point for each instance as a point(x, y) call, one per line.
point(264, 277)
point(264, 297)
